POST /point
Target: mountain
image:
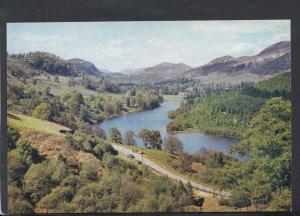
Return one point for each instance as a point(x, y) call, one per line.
point(160, 72)
point(165, 70)
point(85, 67)
point(281, 47)
point(273, 59)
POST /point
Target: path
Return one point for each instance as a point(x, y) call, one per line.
point(153, 165)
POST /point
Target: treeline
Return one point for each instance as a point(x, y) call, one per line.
point(47, 62)
point(146, 99)
point(72, 109)
point(193, 87)
point(278, 86)
point(37, 184)
point(229, 112)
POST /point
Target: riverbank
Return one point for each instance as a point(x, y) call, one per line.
point(192, 130)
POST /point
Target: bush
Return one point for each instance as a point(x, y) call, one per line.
point(88, 173)
point(98, 151)
point(57, 196)
point(25, 151)
point(223, 202)
point(37, 180)
point(12, 136)
point(43, 111)
point(61, 172)
point(17, 202)
point(16, 168)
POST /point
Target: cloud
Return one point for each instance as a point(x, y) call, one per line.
point(280, 37)
point(237, 27)
point(115, 42)
point(42, 41)
point(155, 41)
point(144, 44)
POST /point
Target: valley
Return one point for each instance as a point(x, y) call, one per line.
point(222, 128)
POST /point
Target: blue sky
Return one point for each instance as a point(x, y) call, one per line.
point(121, 45)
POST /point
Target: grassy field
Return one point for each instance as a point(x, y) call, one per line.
point(28, 122)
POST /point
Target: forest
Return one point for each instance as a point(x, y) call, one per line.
point(228, 112)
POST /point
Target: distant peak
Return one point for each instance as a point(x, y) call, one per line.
point(283, 46)
point(221, 59)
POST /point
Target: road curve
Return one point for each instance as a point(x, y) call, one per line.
point(153, 165)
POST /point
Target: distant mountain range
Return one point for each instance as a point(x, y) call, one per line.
point(273, 59)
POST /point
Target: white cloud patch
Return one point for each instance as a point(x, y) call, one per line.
point(44, 41)
point(236, 27)
point(155, 41)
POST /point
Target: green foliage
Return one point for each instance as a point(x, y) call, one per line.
point(278, 86)
point(26, 152)
point(282, 199)
point(43, 111)
point(229, 112)
point(12, 137)
point(16, 168)
point(16, 204)
point(268, 144)
point(37, 180)
point(115, 135)
point(145, 99)
point(215, 159)
point(151, 138)
point(56, 197)
point(49, 63)
point(88, 173)
point(60, 173)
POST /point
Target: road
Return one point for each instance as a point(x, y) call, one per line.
point(156, 167)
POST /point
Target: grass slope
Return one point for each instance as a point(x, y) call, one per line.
point(28, 122)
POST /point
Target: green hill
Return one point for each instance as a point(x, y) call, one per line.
point(228, 113)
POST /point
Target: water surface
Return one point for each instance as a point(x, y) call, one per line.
point(157, 119)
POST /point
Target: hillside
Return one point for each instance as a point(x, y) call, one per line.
point(48, 70)
point(274, 59)
point(85, 67)
point(83, 173)
point(164, 70)
point(228, 113)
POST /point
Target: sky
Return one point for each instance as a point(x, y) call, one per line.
point(123, 45)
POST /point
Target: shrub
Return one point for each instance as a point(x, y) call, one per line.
point(88, 173)
point(37, 180)
point(12, 136)
point(57, 196)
